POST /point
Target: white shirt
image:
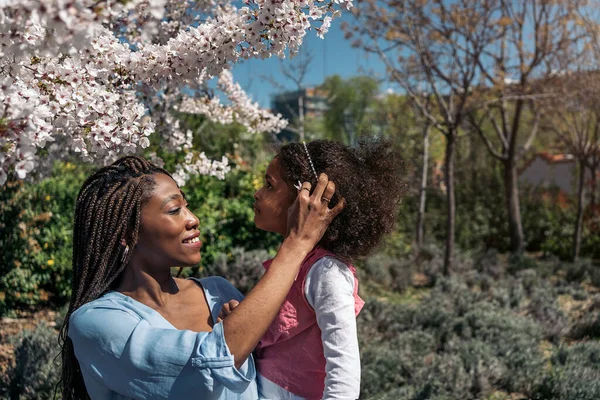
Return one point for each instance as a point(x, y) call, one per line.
point(329, 289)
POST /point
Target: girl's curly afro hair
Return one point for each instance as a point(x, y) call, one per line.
point(371, 180)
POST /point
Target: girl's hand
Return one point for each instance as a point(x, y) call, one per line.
point(310, 215)
point(227, 309)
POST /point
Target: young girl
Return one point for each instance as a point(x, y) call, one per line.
point(310, 351)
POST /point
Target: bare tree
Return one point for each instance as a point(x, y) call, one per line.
point(590, 17)
point(536, 39)
point(295, 70)
point(573, 114)
point(431, 45)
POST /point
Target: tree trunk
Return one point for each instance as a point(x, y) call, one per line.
point(450, 218)
point(511, 183)
point(593, 187)
point(580, 205)
point(423, 188)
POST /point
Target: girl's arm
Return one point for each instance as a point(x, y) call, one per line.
point(308, 219)
point(329, 289)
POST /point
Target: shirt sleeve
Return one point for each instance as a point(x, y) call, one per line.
point(329, 289)
point(122, 351)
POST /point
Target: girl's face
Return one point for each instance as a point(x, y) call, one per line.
point(272, 201)
point(169, 234)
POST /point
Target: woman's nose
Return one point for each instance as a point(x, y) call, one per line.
point(192, 222)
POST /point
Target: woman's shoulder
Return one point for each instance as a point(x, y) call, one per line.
point(109, 314)
point(109, 301)
point(219, 287)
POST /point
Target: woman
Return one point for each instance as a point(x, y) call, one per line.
point(134, 331)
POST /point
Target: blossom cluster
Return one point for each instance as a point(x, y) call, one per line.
point(240, 109)
point(96, 78)
point(200, 165)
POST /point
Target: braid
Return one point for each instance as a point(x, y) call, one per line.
point(108, 209)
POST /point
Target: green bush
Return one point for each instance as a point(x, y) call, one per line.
point(457, 343)
point(575, 373)
point(36, 239)
point(586, 327)
point(36, 371)
point(243, 269)
point(390, 272)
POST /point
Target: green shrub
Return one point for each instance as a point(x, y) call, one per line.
point(36, 239)
point(390, 272)
point(243, 269)
point(586, 327)
point(390, 364)
point(36, 371)
point(575, 373)
point(519, 262)
point(460, 342)
point(578, 271)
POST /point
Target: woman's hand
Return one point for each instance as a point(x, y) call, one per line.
point(308, 219)
point(310, 215)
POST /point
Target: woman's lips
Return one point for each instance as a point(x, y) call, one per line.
point(194, 245)
point(255, 208)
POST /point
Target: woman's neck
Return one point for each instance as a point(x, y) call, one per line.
point(151, 288)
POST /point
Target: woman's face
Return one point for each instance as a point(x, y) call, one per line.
point(169, 234)
point(272, 201)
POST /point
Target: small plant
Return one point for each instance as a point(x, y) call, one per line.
point(35, 373)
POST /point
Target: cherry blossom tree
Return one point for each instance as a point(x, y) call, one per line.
point(97, 78)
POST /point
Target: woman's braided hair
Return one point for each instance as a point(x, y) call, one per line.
point(370, 178)
point(107, 211)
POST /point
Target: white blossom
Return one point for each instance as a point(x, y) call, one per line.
point(97, 78)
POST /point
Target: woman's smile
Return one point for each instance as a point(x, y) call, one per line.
point(193, 241)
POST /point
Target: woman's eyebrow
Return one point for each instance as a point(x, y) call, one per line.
point(171, 197)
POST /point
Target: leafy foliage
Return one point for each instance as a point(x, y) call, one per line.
point(35, 235)
point(35, 373)
point(482, 332)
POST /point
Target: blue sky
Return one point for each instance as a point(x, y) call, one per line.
point(331, 55)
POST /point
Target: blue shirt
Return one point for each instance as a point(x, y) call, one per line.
point(127, 350)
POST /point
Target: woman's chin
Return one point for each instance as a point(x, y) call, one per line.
point(190, 262)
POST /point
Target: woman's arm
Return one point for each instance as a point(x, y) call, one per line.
point(308, 219)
